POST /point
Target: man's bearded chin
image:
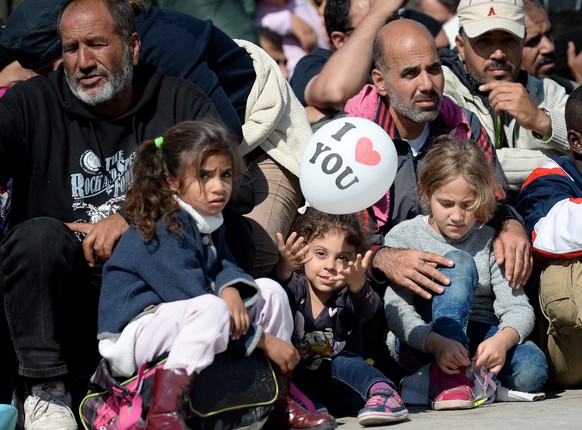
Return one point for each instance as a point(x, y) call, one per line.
point(113, 88)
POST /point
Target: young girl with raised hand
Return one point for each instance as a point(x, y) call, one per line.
point(330, 299)
point(171, 284)
point(478, 320)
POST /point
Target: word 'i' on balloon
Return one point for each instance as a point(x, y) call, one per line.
point(333, 162)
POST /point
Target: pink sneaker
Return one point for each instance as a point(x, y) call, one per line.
point(383, 407)
point(447, 392)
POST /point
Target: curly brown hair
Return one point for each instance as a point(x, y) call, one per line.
point(185, 146)
point(316, 224)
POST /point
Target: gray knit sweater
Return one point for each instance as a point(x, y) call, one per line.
point(494, 302)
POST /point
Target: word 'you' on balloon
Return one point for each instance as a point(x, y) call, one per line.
point(347, 166)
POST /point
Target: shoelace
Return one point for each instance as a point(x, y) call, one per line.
point(376, 400)
point(483, 380)
point(383, 399)
point(43, 401)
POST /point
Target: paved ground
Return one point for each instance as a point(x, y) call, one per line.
point(560, 410)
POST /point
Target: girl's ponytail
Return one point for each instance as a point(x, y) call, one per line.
point(150, 195)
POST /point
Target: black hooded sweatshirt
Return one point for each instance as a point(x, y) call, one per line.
point(70, 163)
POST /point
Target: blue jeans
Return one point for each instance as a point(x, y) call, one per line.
point(50, 300)
point(525, 367)
point(342, 385)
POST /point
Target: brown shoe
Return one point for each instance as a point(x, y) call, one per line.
point(171, 387)
point(300, 418)
point(287, 414)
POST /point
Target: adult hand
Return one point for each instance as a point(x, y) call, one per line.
point(100, 237)
point(283, 354)
point(513, 98)
point(512, 248)
point(304, 33)
point(386, 8)
point(413, 269)
point(574, 62)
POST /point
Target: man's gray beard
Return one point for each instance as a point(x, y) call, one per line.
point(115, 85)
point(410, 111)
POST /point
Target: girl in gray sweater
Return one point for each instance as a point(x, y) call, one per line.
point(479, 321)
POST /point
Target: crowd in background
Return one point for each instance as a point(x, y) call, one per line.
point(333, 59)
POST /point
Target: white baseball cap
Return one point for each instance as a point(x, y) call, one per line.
point(477, 17)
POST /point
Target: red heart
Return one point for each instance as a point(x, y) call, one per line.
point(365, 153)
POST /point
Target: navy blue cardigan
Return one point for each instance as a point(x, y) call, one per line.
point(167, 268)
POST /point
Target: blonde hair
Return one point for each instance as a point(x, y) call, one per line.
point(450, 158)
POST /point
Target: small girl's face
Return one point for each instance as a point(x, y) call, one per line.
point(331, 253)
point(448, 205)
point(209, 189)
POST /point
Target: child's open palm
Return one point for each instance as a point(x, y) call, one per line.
point(355, 274)
point(293, 253)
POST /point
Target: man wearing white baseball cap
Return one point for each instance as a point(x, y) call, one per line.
point(523, 115)
point(479, 17)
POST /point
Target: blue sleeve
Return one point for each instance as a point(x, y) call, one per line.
point(247, 343)
point(207, 57)
point(308, 67)
point(295, 287)
point(365, 303)
point(538, 197)
point(230, 275)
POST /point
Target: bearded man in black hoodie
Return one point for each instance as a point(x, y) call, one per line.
point(68, 141)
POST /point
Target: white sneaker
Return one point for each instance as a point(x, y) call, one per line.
point(48, 407)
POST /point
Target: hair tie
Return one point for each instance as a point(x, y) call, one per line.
point(158, 141)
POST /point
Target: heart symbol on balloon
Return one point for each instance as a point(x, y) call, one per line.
point(365, 153)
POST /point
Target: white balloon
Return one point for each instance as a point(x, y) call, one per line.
point(347, 166)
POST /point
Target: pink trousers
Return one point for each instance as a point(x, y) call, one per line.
point(193, 331)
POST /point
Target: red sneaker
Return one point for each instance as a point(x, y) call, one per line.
point(450, 391)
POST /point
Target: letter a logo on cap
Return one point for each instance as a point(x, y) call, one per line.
point(491, 12)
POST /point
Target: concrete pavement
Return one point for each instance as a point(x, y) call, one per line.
point(559, 410)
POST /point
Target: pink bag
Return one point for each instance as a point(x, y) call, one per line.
point(119, 406)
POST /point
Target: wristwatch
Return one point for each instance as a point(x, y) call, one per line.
point(548, 134)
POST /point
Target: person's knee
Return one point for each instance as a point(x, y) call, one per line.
point(277, 197)
point(464, 263)
point(273, 311)
point(532, 373)
point(464, 268)
point(564, 356)
point(36, 234)
point(560, 297)
point(272, 291)
point(37, 240)
point(464, 276)
point(211, 304)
